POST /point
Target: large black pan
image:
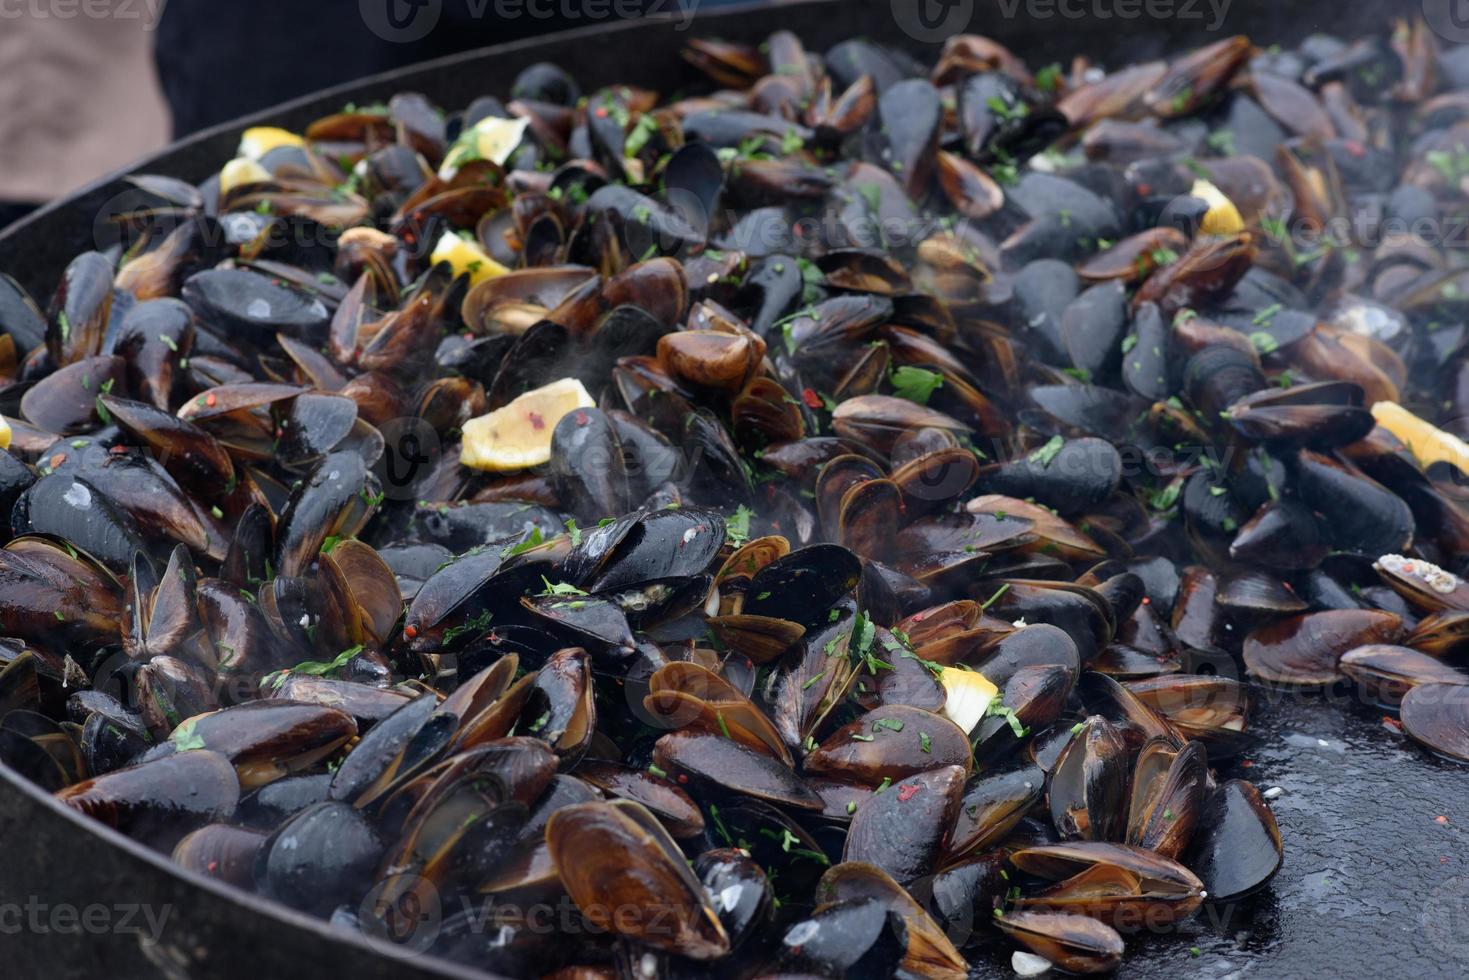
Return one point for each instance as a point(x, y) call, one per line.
point(1374, 883)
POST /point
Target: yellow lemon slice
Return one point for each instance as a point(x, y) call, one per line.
point(1223, 217)
point(4, 432)
point(518, 436)
point(1427, 442)
point(239, 173)
point(257, 142)
point(968, 695)
point(492, 138)
point(466, 257)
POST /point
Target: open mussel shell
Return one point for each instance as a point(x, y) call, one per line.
point(35, 744)
point(1168, 787)
point(1322, 416)
point(1089, 784)
point(457, 825)
point(1074, 943)
point(613, 856)
point(397, 748)
point(1388, 672)
point(1437, 717)
point(1127, 887)
point(1305, 649)
point(733, 712)
point(267, 739)
point(929, 953)
point(1237, 847)
point(1423, 584)
point(1207, 707)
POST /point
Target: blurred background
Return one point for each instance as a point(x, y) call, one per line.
point(89, 86)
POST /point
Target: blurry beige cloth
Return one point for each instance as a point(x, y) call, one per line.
point(78, 93)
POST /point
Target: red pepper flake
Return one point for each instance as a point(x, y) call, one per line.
point(1246, 764)
point(683, 778)
point(210, 399)
point(797, 230)
point(118, 449)
point(536, 421)
point(213, 866)
point(810, 397)
point(582, 418)
point(906, 793)
point(1441, 820)
point(1355, 148)
point(601, 112)
point(1145, 189)
point(410, 631)
point(1392, 723)
point(57, 460)
point(1147, 601)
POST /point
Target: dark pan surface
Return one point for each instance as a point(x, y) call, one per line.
point(1374, 885)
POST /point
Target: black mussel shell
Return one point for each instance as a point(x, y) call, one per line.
point(322, 857)
point(1237, 848)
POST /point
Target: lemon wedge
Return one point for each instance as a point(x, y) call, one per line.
point(257, 142)
point(968, 695)
point(1223, 217)
point(492, 138)
point(518, 436)
point(239, 173)
point(1427, 442)
point(4, 432)
point(466, 257)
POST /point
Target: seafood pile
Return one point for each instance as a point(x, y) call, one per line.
point(833, 524)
